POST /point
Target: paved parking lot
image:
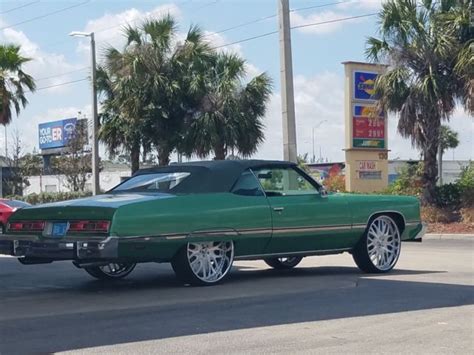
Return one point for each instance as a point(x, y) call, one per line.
point(324, 305)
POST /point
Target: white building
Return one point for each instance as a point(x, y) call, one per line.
point(110, 176)
point(113, 174)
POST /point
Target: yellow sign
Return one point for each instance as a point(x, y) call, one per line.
point(366, 130)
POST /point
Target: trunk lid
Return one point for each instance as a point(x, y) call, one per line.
point(94, 207)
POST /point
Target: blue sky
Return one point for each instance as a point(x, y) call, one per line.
point(317, 55)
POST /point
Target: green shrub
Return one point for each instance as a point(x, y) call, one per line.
point(46, 197)
point(466, 185)
point(448, 195)
point(408, 181)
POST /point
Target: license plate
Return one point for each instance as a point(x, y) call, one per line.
point(59, 229)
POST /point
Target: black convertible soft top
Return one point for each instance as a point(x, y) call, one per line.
point(212, 176)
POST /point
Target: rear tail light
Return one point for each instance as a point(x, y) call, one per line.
point(89, 226)
point(26, 226)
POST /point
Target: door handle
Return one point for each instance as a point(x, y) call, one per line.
point(278, 209)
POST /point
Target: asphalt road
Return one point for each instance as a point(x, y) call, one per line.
point(325, 305)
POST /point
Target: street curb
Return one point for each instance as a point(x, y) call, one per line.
point(448, 236)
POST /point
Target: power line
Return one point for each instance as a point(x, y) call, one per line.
point(45, 15)
point(273, 16)
point(62, 74)
point(335, 20)
point(247, 39)
point(317, 6)
point(19, 7)
point(296, 27)
point(60, 84)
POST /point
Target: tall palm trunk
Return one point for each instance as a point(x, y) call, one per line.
point(220, 151)
point(430, 169)
point(163, 155)
point(135, 157)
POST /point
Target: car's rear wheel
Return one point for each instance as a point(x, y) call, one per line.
point(205, 263)
point(379, 248)
point(112, 271)
point(283, 263)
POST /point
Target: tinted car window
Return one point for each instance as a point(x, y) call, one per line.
point(157, 182)
point(247, 185)
point(284, 181)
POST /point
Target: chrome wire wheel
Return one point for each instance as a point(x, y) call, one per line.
point(111, 271)
point(289, 260)
point(283, 263)
point(117, 270)
point(383, 243)
point(210, 261)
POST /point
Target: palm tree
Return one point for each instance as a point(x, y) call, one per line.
point(122, 116)
point(152, 88)
point(448, 139)
point(13, 82)
point(174, 72)
point(430, 69)
point(230, 114)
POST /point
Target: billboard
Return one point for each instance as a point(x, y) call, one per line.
point(56, 134)
point(368, 127)
point(364, 85)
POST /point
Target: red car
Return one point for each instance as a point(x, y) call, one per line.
point(7, 207)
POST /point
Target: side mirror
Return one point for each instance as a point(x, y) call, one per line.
point(323, 192)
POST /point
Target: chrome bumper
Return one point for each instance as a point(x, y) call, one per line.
point(30, 246)
point(419, 235)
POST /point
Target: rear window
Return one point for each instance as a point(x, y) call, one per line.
point(14, 203)
point(157, 182)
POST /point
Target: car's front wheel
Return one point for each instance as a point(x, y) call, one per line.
point(112, 271)
point(283, 263)
point(204, 263)
point(379, 248)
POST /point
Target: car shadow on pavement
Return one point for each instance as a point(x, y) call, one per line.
point(135, 309)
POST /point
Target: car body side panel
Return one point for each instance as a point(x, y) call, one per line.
point(363, 207)
point(311, 222)
point(168, 225)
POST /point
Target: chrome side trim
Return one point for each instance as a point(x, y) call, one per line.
point(254, 230)
point(412, 223)
point(304, 253)
point(312, 229)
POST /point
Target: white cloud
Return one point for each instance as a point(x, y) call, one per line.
point(43, 64)
point(325, 17)
point(108, 28)
point(321, 97)
point(361, 4)
point(340, 11)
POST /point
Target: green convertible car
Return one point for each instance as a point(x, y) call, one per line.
point(202, 216)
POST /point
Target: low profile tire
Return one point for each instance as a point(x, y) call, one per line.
point(205, 263)
point(283, 263)
point(112, 271)
point(379, 248)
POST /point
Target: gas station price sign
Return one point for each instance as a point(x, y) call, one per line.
point(368, 127)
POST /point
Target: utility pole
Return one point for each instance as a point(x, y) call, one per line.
point(286, 75)
point(95, 120)
point(95, 124)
